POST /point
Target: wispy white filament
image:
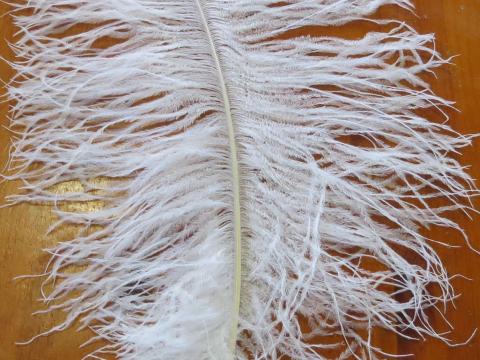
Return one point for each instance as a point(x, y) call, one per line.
point(224, 148)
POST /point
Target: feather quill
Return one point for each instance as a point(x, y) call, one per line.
point(234, 203)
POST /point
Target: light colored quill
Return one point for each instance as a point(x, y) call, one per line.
point(260, 190)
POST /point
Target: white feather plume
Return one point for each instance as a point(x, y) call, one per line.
point(234, 204)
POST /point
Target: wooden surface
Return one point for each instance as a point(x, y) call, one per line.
point(22, 228)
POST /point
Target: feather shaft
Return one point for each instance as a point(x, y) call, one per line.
point(237, 227)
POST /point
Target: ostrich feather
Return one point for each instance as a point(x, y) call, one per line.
point(237, 219)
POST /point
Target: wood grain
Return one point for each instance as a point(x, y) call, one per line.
point(23, 227)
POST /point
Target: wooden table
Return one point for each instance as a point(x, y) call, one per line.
point(23, 228)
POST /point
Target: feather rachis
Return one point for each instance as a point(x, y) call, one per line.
point(237, 274)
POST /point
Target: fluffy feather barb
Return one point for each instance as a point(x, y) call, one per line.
point(206, 126)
